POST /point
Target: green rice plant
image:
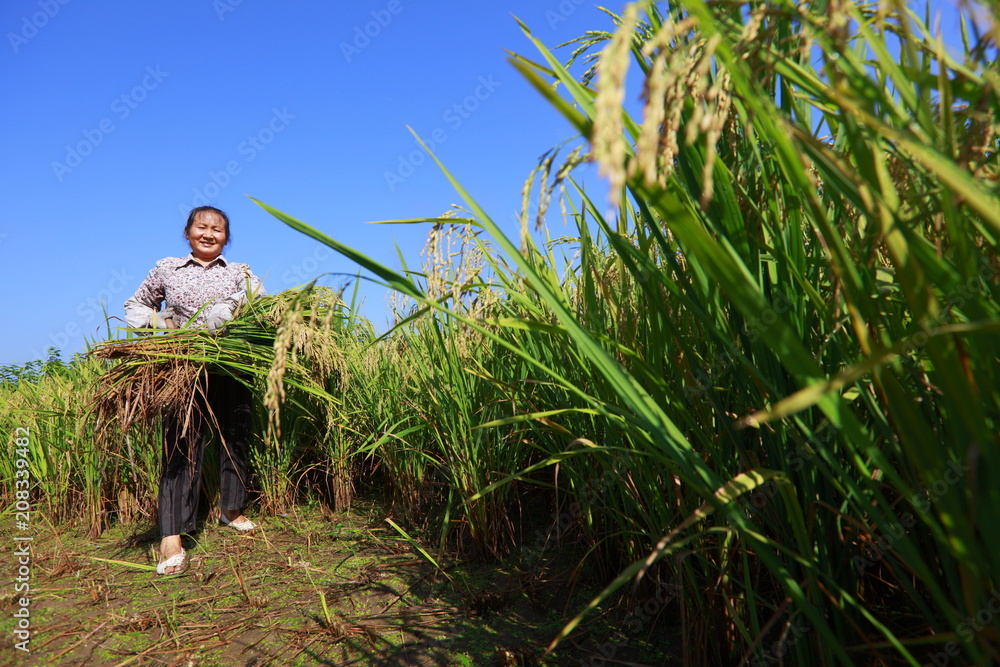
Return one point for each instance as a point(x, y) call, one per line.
point(309, 438)
point(348, 423)
point(776, 254)
point(763, 378)
point(775, 361)
point(389, 439)
point(448, 374)
point(282, 347)
point(75, 472)
point(96, 426)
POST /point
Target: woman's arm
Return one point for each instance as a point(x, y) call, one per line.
point(252, 286)
point(140, 307)
point(222, 310)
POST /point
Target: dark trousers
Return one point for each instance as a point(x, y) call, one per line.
point(180, 483)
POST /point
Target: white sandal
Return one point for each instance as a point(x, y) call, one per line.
point(177, 560)
point(243, 525)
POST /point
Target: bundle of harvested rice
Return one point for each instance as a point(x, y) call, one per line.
point(288, 338)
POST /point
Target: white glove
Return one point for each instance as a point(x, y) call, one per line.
point(163, 319)
point(218, 315)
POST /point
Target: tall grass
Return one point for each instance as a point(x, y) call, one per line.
point(79, 471)
point(801, 411)
point(763, 378)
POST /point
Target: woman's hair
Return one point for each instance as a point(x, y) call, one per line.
point(201, 209)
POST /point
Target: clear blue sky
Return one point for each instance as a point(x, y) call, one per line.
point(120, 116)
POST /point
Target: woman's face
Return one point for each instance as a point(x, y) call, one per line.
point(207, 235)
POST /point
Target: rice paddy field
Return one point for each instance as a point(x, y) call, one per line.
point(744, 413)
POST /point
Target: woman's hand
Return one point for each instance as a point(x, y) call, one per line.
point(218, 315)
point(164, 319)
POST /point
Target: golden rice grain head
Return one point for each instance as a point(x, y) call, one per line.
point(654, 124)
point(274, 395)
point(751, 29)
point(608, 137)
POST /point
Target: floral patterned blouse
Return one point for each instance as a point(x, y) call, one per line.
point(184, 284)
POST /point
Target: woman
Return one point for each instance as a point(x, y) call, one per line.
point(202, 289)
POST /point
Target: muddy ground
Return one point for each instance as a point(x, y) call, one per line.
point(306, 588)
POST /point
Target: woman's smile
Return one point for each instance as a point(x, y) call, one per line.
point(207, 236)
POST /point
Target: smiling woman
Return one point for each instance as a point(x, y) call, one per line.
point(202, 289)
point(208, 232)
